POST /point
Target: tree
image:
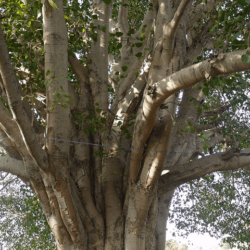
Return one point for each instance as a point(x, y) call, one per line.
point(219, 205)
point(23, 224)
point(91, 108)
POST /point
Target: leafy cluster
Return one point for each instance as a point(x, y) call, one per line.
point(23, 224)
point(217, 204)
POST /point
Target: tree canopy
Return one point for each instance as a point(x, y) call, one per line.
point(217, 204)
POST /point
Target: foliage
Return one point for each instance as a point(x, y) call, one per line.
point(23, 224)
point(217, 204)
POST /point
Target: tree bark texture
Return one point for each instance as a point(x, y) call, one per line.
point(95, 194)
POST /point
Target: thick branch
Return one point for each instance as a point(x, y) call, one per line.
point(219, 110)
point(123, 25)
point(177, 16)
point(200, 127)
point(99, 56)
point(199, 11)
point(214, 141)
point(78, 68)
point(18, 112)
point(56, 62)
point(8, 146)
point(169, 29)
point(134, 65)
point(74, 99)
point(147, 22)
point(13, 166)
point(230, 62)
point(201, 167)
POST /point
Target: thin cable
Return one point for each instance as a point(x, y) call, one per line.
point(122, 148)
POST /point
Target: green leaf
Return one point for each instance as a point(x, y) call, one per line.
point(119, 45)
point(205, 147)
point(119, 34)
point(111, 90)
point(107, 1)
point(138, 54)
point(64, 106)
point(246, 57)
point(205, 91)
point(102, 28)
point(52, 4)
point(86, 131)
point(199, 110)
point(138, 45)
point(94, 37)
point(48, 72)
point(124, 68)
point(128, 136)
point(143, 36)
point(103, 120)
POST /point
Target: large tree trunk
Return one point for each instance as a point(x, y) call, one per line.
point(105, 170)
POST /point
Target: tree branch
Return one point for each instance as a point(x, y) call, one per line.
point(230, 62)
point(10, 129)
point(147, 22)
point(74, 99)
point(13, 166)
point(129, 58)
point(122, 19)
point(8, 146)
point(56, 63)
point(78, 68)
point(201, 167)
point(177, 16)
point(170, 28)
point(200, 127)
point(15, 102)
point(219, 110)
point(99, 55)
point(199, 11)
point(214, 141)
